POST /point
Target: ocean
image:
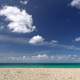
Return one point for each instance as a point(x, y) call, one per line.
point(39, 65)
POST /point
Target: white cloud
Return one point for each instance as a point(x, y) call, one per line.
point(40, 56)
point(36, 40)
point(23, 2)
point(20, 20)
point(77, 39)
point(75, 3)
point(54, 42)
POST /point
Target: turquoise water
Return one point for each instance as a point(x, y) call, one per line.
point(40, 65)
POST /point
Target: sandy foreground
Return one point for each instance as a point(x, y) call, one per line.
point(39, 74)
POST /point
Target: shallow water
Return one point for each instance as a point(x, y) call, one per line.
point(39, 65)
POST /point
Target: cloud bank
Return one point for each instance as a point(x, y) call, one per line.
point(42, 58)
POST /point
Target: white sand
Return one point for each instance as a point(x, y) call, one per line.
point(39, 74)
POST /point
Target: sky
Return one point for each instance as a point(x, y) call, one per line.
point(40, 28)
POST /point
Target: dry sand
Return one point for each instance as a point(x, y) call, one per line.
point(39, 74)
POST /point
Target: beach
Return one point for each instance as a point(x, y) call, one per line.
point(39, 73)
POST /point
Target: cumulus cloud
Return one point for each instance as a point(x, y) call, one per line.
point(19, 20)
point(75, 3)
point(77, 39)
point(36, 40)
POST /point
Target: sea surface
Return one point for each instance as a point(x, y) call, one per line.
point(39, 65)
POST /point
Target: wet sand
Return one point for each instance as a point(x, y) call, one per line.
point(39, 73)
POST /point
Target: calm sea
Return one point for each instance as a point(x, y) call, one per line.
point(39, 65)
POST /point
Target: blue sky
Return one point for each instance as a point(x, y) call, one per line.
point(38, 27)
